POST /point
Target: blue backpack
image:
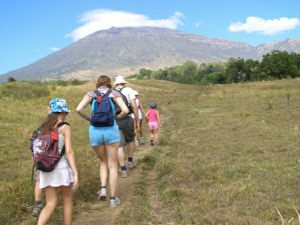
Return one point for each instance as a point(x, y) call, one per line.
point(102, 110)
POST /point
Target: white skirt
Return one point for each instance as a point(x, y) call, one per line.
point(62, 175)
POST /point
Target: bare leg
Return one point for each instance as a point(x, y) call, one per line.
point(121, 156)
point(37, 191)
point(68, 204)
point(51, 201)
point(112, 153)
point(130, 148)
point(103, 164)
point(141, 130)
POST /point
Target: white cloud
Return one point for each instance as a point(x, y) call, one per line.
point(267, 27)
point(101, 19)
point(54, 49)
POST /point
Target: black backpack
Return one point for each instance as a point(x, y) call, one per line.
point(118, 110)
point(103, 112)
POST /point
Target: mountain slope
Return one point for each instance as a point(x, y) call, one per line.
point(126, 50)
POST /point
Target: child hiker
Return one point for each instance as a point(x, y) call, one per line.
point(152, 116)
point(65, 175)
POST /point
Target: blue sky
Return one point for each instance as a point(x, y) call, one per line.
point(33, 29)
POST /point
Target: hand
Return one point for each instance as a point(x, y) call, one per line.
point(75, 184)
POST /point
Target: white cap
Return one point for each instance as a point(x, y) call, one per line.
point(120, 80)
point(135, 92)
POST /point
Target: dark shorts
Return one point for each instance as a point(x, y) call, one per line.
point(127, 132)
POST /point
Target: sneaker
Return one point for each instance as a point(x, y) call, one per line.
point(114, 202)
point(37, 209)
point(102, 194)
point(124, 173)
point(142, 141)
point(131, 165)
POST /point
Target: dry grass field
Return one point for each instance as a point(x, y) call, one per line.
point(228, 154)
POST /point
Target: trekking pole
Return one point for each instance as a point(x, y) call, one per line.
point(32, 173)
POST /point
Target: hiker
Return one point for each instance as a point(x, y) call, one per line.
point(152, 116)
point(104, 137)
point(64, 175)
point(38, 203)
point(139, 133)
point(127, 125)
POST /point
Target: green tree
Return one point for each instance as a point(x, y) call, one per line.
point(235, 71)
point(145, 73)
point(11, 79)
point(188, 73)
point(279, 65)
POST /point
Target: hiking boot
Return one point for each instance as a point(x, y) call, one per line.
point(114, 202)
point(37, 209)
point(102, 194)
point(131, 165)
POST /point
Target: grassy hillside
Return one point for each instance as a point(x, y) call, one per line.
point(228, 154)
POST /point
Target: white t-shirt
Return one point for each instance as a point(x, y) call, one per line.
point(127, 92)
point(139, 109)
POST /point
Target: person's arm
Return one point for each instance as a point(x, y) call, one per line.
point(66, 131)
point(84, 102)
point(124, 109)
point(141, 107)
point(158, 119)
point(146, 115)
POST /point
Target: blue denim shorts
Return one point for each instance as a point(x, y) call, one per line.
point(104, 135)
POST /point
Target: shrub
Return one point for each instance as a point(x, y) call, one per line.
point(23, 90)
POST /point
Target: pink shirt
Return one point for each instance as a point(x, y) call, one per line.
point(152, 115)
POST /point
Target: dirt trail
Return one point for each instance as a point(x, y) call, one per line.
point(100, 212)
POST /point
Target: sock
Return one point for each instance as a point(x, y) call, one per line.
point(123, 168)
point(103, 186)
point(113, 198)
point(129, 159)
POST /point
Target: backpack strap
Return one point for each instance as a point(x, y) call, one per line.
point(97, 92)
point(59, 125)
point(120, 91)
point(62, 123)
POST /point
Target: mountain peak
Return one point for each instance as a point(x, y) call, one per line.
point(126, 50)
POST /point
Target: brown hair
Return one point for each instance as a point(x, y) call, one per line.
point(50, 122)
point(103, 80)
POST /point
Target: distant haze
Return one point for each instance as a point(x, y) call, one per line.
point(126, 50)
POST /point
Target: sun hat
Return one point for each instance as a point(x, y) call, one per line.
point(120, 80)
point(58, 105)
point(152, 105)
point(135, 93)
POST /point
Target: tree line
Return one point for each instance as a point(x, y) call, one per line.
point(275, 65)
